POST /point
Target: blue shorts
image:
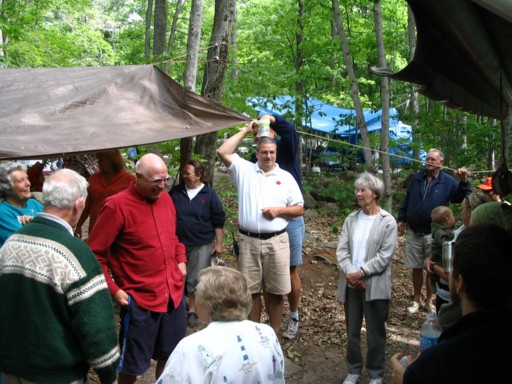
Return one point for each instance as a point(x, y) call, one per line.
point(296, 231)
point(147, 335)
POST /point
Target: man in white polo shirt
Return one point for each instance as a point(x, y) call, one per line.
point(268, 197)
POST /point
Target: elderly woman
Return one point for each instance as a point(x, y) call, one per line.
point(17, 207)
point(230, 349)
point(366, 247)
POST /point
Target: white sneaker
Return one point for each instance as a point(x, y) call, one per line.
point(377, 381)
point(292, 330)
point(413, 307)
point(352, 378)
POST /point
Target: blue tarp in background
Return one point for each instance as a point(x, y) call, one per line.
point(334, 121)
point(340, 123)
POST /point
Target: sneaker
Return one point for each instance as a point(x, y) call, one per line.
point(352, 378)
point(413, 307)
point(293, 329)
point(430, 308)
point(377, 381)
point(192, 319)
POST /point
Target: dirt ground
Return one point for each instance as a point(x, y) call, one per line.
point(317, 354)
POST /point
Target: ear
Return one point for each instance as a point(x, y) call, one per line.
point(79, 205)
point(460, 284)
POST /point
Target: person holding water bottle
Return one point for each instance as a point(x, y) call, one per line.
point(470, 350)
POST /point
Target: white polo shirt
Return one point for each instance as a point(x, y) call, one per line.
point(257, 190)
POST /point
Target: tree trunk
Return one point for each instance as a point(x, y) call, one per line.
point(299, 86)
point(215, 74)
point(160, 29)
point(354, 89)
point(175, 18)
point(149, 18)
point(384, 94)
point(414, 107)
point(190, 76)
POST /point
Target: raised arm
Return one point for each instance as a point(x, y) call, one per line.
point(229, 146)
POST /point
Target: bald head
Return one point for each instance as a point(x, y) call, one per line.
point(151, 174)
point(150, 163)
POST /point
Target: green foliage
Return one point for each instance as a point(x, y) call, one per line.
point(228, 195)
point(60, 33)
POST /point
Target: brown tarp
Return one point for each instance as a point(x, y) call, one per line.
point(52, 112)
point(463, 55)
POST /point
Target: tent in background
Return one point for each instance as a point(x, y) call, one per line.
point(334, 121)
point(51, 112)
point(339, 123)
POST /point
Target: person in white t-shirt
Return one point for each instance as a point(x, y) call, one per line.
point(366, 247)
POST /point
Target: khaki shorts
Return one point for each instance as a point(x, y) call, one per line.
point(265, 263)
point(417, 249)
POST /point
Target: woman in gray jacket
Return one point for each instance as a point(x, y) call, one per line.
point(366, 247)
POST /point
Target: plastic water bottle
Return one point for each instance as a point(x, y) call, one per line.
point(430, 332)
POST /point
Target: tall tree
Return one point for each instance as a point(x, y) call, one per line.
point(414, 107)
point(299, 85)
point(174, 25)
point(215, 74)
point(149, 20)
point(384, 94)
point(354, 89)
point(194, 38)
point(160, 29)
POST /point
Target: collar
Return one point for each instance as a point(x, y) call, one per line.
point(57, 220)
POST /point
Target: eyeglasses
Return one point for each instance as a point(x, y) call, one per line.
point(431, 159)
point(157, 181)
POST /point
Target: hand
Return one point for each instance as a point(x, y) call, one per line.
point(78, 232)
point(429, 265)
point(24, 219)
point(354, 279)
point(271, 118)
point(252, 127)
point(398, 369)
point(462, 173)
point(218, 250)
point(183, 268)
point(270, 213)
point(121, 298)
point(401, 226)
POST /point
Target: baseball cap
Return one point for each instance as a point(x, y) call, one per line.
point(486, 184)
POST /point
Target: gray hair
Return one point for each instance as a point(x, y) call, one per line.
point(440, 153)
point(224, 293)
point(265, 140)
point(6, 169)
point(474, 199)
point(63, 188)
point(376, 185)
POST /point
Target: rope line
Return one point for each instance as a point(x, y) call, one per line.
point(323, 137)
point(382, 152)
